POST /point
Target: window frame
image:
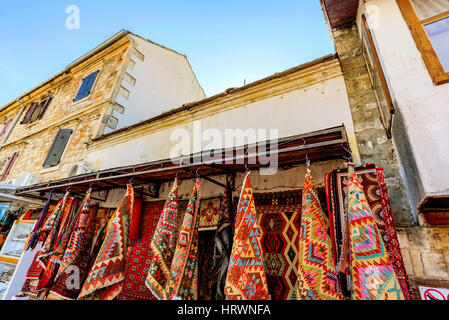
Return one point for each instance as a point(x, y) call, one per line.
point(416, 26)
point(377, 67)
point(74, 101)
point(61, 157)
point(8, 166)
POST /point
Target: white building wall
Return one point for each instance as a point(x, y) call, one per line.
point(422, 105)
point(319, 106)
point(156, 80)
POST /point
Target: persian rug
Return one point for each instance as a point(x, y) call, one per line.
point(373, 276)
point(222, 245)
point(246, 279)
point(32, 278)
point(163, 246)
point(183, 283)
point(373, 184)
point(75, 261)
point(279, 216)
point(317, 274)
point(105, 278)
point(205, 264)
point(140, 255)
point(209, 214)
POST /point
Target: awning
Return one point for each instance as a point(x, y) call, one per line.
point(321, 145)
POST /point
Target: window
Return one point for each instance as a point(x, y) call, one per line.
point(8, 166)
point(428, 21)
point(5, 127)
point(377, 77)
point(57, 148)
point(36, 111)
point(86, 86)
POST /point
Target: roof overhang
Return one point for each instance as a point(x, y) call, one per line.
point(327, 144)
point(340, 12)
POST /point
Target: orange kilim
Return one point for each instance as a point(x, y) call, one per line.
point(317, 276)
point(105, 278)
point(373, 277)
point(246, 278)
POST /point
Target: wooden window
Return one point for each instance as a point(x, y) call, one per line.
point(44, 107)
point(428, 21)
point(29, 113)
point(86, 86)
point(57, 148)
point(5, 127)
point(8, 166)
point(377, 77)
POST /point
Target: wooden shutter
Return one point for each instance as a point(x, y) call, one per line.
point(86, 86)
point(29, 113)
point(57, 148)
point(8, 166)
point(44, 107)
point(5, 127)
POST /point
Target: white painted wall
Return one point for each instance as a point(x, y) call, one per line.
point(315, 107)
point(164, 81)
point(423, 105)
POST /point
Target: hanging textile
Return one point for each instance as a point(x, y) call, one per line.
point(163, 246)
point(140, 255)
point(4, 207)
point(373, 276)
point(391, 237)
point(105, 278)
point(279, 216)
point(209, 214)
point(223, 245)
point(183, 282)
point(51, 243)
point(246, 279)
point(35, 234)
point(317, 275)
point(373, 184)
point(32, 278)
point(74, 263)
point(135, 222)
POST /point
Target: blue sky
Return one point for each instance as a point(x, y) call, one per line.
point(225, 41)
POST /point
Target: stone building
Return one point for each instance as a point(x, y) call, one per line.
point(123, 81)
point(394, 57)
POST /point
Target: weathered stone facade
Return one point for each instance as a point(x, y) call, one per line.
point(425, 248)
point(34, 140)
point(374, 146)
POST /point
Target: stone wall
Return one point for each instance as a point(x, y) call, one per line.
point(374, 146)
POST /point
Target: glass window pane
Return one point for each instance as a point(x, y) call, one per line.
point(381, 99)
point(438, 33)
point(429, 8)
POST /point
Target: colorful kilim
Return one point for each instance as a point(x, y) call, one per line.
point(76, 256)
point(373, 277)
point(391, 237)
point(246, 279)
point(317, 275)
point(32, 277)
point(376, 193)
point(183, 283)
point(140, 255)
point(163, 246)
point(105, 278)
point(209, 214)
point(279, 217)
point(223, 245)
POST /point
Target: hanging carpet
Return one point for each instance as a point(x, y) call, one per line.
point(246, 279)
point(183, 283)
point(105, 278)
point(140, 255)
point(373, 276)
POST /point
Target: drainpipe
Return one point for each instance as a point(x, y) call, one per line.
point(14, 123)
